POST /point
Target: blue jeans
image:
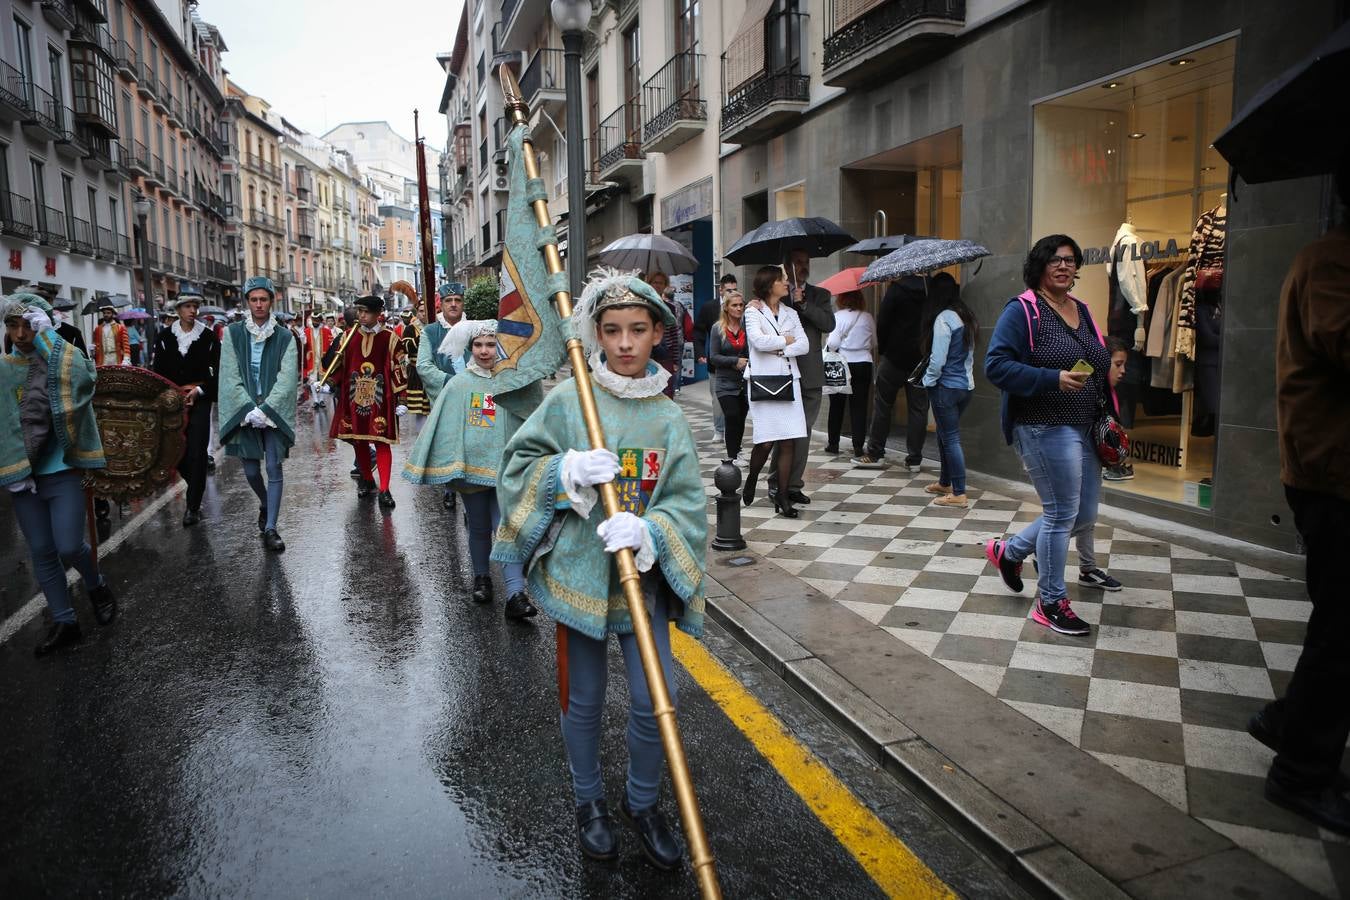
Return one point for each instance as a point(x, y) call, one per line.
point(269, 493)
point(52, 522)
point(948, 404)
point(482, 515)
point(1064, 469)
point(586, 674)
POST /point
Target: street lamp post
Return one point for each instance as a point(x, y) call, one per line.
point(141, 205)
point(572, 17)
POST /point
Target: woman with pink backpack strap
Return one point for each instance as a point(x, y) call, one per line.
point(1050, 361)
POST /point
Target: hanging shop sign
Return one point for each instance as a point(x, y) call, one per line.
point(688, 204)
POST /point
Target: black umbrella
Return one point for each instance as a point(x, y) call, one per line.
point(63, 304)
point(880, 246)
point(117, 301)
point(1298, 124)
point(770, 243)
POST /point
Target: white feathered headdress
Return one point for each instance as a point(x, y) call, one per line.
point(462, 333)
point(609, 287)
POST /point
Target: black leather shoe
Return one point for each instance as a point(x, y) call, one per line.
point(62, 634)
point(364, 488)
point(798, 497)
point(595, 831)
point(104, 603)
point(482, 589)
point(518, 606)
point(448, 500)
point(658, 841)
point(1262, 727)
point(262, 518)
point(1326, 807)
point(210, 463)
point(272, 541)
point(191, 517)
point(748, 492)
point(386, 500)
point(784, 507)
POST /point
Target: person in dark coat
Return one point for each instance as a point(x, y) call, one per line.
point(188, 354)
point(900, 330)
point(704, 320)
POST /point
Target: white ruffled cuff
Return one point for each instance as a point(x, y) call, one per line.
point(583, 497)
point(645, 557)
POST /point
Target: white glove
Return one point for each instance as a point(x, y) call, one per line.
point(255, 419)
point(400, 410)
point(1140, 338)
point(37, 319)
point(327, 388)
point(28, 484)
point(622, 530)
point(585, 468)
point(126, 361)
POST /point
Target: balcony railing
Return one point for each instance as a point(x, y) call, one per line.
point(105, 244)
point(146, 82)
point(61, 13)
point(853, 27)
point(170, 179)
point(266, 220)
point(81, 237)
point(620, 137)
point(674, 94)
point(16, 215)
point(51, 227)
point(138, 160)
point(261, 166)
point(128, 63)
point(45, 117)
point(341, 204)
point(544, 72)
point(760, 69)
point(16, 101)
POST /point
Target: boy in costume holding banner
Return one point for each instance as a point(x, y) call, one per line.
point(555, 525)
point(460, 446)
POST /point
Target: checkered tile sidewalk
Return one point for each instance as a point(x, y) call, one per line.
point(1162, 688)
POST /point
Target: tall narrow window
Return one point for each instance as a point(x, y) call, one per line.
point(593, 108)
point(632, 84)
point(23, 40)
point(68, 203)
point(93, 216)
point(54, 72)
point(40, 191)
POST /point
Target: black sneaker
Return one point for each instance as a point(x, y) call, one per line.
point(1060, 617)
point(1098, 579)
point(1119, 473)
point(61, 634)
point(994, 551)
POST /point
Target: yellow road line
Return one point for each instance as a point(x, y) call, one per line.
point(885, 858)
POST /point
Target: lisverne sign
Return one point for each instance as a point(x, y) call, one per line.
point(1094, 256)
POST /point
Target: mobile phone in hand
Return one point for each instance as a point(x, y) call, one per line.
point(1083, 366)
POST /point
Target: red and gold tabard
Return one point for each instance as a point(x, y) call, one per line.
point(368, 386)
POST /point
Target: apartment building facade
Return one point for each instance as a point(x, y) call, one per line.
point(257, 176)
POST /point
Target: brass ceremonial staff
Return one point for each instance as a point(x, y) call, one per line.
point(699, 854)
point(342, 348)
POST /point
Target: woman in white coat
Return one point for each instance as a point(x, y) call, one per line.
point(775, 335)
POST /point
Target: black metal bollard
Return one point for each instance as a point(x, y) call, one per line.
point(727, 479)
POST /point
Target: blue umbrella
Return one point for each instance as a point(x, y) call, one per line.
point(920, 257)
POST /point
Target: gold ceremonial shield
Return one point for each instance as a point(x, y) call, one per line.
point(141, 419)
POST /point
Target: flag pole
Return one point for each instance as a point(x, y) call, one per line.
point(424, 228)
point(700, 856)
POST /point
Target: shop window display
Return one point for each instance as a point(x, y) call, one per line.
point(1126, 167)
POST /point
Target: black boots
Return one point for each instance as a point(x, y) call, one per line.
point(658, 841)
point(62, 634)
point(595, 831)
point(272, 541)
point(482, 589)
point(364, 488)
point(386, 500)
point(262, 518)
point(191, 517)
point(518, 606)
point(104, 603)
point(748, 492)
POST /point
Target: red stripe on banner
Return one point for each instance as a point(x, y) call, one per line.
point(561, 632)
point(509, 304)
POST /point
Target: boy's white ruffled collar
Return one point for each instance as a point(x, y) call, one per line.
point(185, 339)
point(473, 368)
point(260, 332)
point(649, 385)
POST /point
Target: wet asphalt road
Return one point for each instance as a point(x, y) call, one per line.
point(340, 721)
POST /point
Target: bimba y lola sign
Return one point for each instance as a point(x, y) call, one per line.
point(1144, 250)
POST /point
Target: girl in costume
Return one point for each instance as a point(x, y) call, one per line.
point(460, 446)
point(555, 524)
point(47, 435)
point(259, 382)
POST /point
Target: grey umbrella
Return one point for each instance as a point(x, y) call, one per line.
point(922, 256)
point(649, 253)
point(880, 246)
point(770, 243)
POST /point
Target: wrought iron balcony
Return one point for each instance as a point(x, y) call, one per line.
point(60, 13)
point(94, 9)
point(261, 166)
point(541, 84)
point(876, 37)
point(43, 123)
point(620, 148)
point(764, 90)
point(105, 244)
point(674, 104)
point(51, 227)
point(69, 141)
point(16, 101)
point(265, 220)
point(81, 237)
point(146, 82)
point(128, 63)
point(16, 215)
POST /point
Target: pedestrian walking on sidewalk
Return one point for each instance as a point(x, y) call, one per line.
point(259, 386)
point(460, 446)
point(811, 304)
point(950, 383)
point(904, 310)
point(1047, 413)
point(188, 354)
point(1084, 530)
point(47, 435)
point(707, 317)
point(854, 338)
point(1308, 727)
point(776, 340)
point(547, 487)
point(729, 354)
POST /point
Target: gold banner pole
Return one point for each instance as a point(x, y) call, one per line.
point(700, 856)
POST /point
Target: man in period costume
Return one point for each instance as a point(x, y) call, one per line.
point(416, 401)
point(188, 354)
point(112, 346)
point(259, 376)
point(317, 338)
point(368, 388)
point(67, 331)
point(434, 368)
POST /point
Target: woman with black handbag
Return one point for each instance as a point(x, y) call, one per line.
point(775, 335)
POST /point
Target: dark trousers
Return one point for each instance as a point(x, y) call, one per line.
point(1313, 718)
point(193, 464)
point(734, 410)
point(890, 380)
point(860, 380)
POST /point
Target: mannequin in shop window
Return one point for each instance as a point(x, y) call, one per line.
point(1202, 300)
point(1126, 315)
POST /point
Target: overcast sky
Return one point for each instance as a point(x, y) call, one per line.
point(324, 62)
